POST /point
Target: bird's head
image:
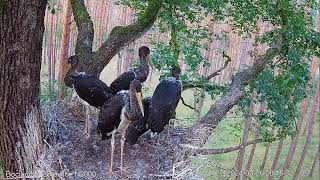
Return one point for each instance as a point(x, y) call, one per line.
point(176, 72)
point(136, 89)
point(73, 61)
point(144, 54)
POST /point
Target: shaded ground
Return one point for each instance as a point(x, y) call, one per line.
point(90, 159)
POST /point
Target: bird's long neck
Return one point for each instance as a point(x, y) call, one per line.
point(132, 106)
point(143, 70)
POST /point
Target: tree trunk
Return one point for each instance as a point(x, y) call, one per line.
point(54, 47)
point(248, 119)
point(64, 48)
point(21, 32)
point(295, 140)
point(315, 162)
point(265, 157)
point(253, 148)
point(46, 33)
point(312, 120)
point(304, 109)
point(276, 158)
point(50, 54)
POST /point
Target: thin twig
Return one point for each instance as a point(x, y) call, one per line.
point(184, 103)
point(224, 66)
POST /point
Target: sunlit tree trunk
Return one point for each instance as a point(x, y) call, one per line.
point(256, 135)
point(50, 54)
point(248, 119)
point(54, 47)
point(46, 36)
point(64, 47)
point(312, 120)
point(21, 32)
point(276, 158)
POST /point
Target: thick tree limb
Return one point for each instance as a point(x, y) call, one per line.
point(94, 62)
point(203, 151)
point(203, 129)
point(122, 36)
point(85, 28)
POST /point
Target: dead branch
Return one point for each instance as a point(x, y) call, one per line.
point(184, 103)
point(202, 151)
point(222, 68)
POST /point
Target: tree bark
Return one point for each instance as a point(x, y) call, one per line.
point(256, 134)
point(21, 32)
point(203, 129)
point(50, 54)
point(276, 158)
point(94, 62)
point(54, 47)
point(312, 120)
point(248, 119)
point(64, 48)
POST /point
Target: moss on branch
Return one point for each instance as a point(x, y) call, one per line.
point(80, 12)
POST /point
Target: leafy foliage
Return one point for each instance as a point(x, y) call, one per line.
point(46, 95)
point(282, 85)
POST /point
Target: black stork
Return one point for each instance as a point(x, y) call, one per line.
point(141, 73)
point(159, 108)
point(139, 127)
point(164, 101)
point(92, 91)
point(117, 113)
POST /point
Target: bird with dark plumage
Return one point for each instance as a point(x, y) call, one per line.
point(164, 101)
point(139, 127)
point(117, 113)
point(141, 73)
point(159, 108)
point(92, 91)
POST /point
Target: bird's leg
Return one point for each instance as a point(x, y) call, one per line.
point(123, 138)
point(112, 149)
point(87, 127)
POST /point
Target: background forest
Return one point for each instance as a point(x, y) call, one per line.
point(201, 57)
point(272, 127)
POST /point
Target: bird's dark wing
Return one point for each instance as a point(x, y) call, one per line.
point(139, 127)
point(122, 82)
point(164, 102)
point(92, 90)
point(109, 116)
